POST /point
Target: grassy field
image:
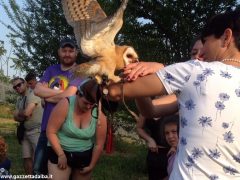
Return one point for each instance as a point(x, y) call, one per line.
point(126, 162)
point(7, 130)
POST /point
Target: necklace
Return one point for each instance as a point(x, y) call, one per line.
point(232, 60)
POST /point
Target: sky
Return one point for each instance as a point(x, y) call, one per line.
point(3, 37)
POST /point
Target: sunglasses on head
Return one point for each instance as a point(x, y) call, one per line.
point(18, 85)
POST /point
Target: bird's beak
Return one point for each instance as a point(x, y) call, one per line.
point(134, 60)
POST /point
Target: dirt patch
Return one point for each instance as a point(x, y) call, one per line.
point(7, 126)
point(7, 120)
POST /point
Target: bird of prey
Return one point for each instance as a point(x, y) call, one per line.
point(95, 33)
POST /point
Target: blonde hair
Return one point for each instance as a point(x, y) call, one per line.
point(3, 149)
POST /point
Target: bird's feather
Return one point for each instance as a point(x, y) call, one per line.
point(93, 30)
point(95, 33)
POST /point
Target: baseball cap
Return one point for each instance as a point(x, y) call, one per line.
point(67, 42)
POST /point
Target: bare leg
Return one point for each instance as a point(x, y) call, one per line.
point(28, 165)
point(57, 173)
point(76, 175)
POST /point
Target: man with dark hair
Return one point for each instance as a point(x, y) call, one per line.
point(29, 114)
point(56, 83)
point(31, 79)
point(208, 96)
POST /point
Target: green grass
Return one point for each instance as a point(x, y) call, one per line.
point(14, 154)
point(6, 111)
point(8, 131)
point(127, 161)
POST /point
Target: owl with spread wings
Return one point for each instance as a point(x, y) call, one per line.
point(95, 33)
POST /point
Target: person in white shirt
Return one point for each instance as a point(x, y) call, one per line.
point(208, 97)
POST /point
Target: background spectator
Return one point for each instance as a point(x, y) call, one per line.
point(29, 114)
point(31, 79)
point(56, 83)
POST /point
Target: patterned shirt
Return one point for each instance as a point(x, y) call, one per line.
point(209, 106)
point(56, 79)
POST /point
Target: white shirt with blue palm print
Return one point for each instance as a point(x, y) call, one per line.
point(209, 107)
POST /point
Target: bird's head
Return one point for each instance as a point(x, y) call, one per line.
point(126, 55)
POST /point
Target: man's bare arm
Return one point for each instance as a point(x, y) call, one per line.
point(70, 91)
point(18, 116)
point(29, 109)
point(43, 91)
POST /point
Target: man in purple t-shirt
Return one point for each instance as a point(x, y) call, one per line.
point(56, 83)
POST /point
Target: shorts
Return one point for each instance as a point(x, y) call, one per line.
point(157, 164)
point(77, 160)
point(29, 142)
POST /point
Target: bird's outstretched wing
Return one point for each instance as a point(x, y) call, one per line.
point(82, 10)
point(93, 30)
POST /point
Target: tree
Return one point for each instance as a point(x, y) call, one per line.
point(168, 27)
point(3, 78)
point(2, 49)
point(159, 30)
point(38, 27)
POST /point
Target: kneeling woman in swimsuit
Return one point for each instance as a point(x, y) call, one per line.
point(76, 132)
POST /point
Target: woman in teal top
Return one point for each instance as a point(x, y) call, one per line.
point(76, 132)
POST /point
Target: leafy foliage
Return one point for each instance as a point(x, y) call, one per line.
point(4, 78)
point(11, 97)
point(38, 28)
point(159, 30)
point(168, 27)
point(2, 49)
